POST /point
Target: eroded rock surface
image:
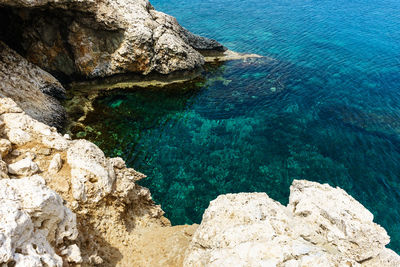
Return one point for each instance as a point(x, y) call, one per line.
point(33, 219)
point(28, 85)
point(111, 219)
point(321, 226)
point(87, 209)
point(97, 38)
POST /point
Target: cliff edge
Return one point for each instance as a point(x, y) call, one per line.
point(98, 38)
point(64, 203)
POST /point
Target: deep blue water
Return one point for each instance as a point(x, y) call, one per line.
point(325, 108)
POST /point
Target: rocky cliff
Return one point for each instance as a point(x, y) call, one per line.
point(64, 203)
point(84, 39)
point(97, 38)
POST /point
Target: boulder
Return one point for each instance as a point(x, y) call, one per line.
point(321, 226)
point(336, 219)
point(92, 174)
point(24, 167)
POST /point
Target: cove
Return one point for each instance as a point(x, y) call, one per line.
point(323, 106)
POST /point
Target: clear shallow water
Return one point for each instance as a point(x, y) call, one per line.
point(326, 109)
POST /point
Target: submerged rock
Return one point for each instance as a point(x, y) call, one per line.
point(120, 225)
point(321, 226)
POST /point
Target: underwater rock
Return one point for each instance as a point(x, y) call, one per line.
point(321, 226)
point(120, 225)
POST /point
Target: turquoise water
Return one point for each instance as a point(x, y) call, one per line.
point(324, 106)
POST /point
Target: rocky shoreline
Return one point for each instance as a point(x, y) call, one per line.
point(64, 203)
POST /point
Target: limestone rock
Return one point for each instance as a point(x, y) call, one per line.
point(24, 167)
point(92, 173)
point(27, 85)
point(337, 219)
point(3, 170)
point(55, 164)
point(72, 254)
point(18, 136)
point(32, 217)
point(5, 147)
point(386, 258)
point(20, 129)
point(321, 226)
point(102, 38)
point(7, 105)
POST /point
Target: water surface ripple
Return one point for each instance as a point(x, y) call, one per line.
point(326, 108)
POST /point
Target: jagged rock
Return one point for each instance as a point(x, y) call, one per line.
point(7, 105)
point(72, 254)
point(3, 170)
point(26, 84)
point(92, 173)
point(95, 260)
point(55, 164)
point(118, 163)
point(321, 226)
point(337, 220)
point(5, 147)
point(18, 136)
point(32, 217)
point(24, 167)
point(101, 38)
point(20, 129)
point(386, 257)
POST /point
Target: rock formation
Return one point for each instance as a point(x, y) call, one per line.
point(64, 203)
point(31, 87)
point(93, 195)
point(97, 38)
point(321, 226)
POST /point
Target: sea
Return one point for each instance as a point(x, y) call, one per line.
point(322, 104)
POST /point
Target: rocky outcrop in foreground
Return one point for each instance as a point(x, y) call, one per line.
point(321, 226)
point(64, 203)
point(98, 38)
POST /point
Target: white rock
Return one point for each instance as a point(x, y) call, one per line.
point(7, 105)
point(95, 259)
point(55, 164)
point(320, 227)
point(18, 136)
point(32, 217)
point(24, 167)
point(92, 173)
point(337, 219)
point(55, 141)
point(72, 253)
point(386, 258)
point(118, 163)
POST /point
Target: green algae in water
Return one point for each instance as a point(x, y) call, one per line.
point(207, 138)
point(334, 115)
